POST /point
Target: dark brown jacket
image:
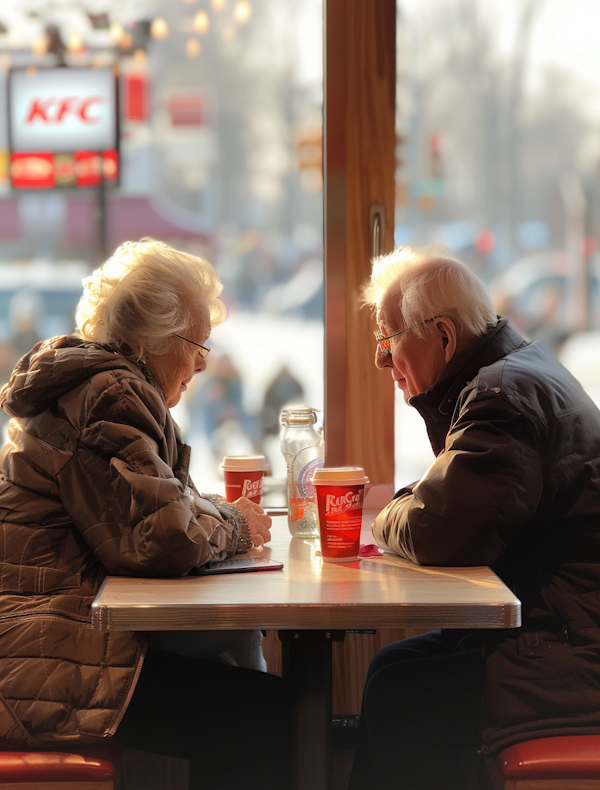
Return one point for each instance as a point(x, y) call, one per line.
point(93, 481)
point(516, 485)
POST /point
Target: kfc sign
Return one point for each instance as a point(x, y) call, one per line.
point(45, 112)
point(62, 110)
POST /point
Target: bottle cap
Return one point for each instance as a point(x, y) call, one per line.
point(298, 415)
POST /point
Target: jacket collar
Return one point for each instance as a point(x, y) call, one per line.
point(436, 404)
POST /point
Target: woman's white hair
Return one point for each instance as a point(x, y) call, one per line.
point(145, 293)
point(425, 282)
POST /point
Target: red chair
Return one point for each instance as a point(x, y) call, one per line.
point(566, 762)
point(89, 769)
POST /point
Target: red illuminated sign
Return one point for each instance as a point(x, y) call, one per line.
point(135, 97)
point(90, 168)
point(63, 128)
point(80, 169)
point(35, 171)
point(187, 111)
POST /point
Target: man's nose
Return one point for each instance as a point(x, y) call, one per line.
point(200, 364)
point(382, 360)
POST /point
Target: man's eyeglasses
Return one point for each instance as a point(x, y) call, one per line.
point(203, 350)
point(383, 343)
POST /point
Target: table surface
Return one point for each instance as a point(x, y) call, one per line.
point(385, 592)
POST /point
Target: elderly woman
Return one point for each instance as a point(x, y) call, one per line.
point(94, 481)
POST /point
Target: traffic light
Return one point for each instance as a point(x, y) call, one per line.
point(400, 172)
point(309, 147)
point(435, 156)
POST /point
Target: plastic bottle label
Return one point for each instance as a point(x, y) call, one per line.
point(305, 488)
point(296, 511)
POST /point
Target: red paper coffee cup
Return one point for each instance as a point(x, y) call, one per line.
point(340, 493)
point(244, 476)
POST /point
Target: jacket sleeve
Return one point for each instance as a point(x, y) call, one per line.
point(480, 491)
point(133, 510)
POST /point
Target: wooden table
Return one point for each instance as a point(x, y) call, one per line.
point(312, 603)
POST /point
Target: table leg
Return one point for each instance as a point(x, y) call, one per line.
point(306, 664)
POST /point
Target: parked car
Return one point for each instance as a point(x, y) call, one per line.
point(545, 297)
point(43, 293)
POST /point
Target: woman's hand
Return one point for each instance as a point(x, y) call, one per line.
point(259, 523)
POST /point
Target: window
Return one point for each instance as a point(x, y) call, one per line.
point(497, 157)
point(220, 119)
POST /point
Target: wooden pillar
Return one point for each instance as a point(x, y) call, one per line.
point(359, 163)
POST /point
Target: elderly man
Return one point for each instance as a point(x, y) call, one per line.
point(515, 484)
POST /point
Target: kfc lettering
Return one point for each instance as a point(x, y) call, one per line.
point(55, 110)
point(63, 110)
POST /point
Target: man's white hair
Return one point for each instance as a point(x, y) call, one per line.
point(413, 284)
point(144, 294)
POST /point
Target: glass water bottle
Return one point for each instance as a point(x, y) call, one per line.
point(304, 451)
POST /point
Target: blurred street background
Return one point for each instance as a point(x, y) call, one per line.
point(219, 152)
point(498, 156)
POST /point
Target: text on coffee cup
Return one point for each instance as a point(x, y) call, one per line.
point(351, 500)
point(252, 488)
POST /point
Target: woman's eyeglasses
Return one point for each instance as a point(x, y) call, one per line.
point(383, 343)
point(203, 350)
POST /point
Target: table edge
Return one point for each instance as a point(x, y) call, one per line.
point(226, 617)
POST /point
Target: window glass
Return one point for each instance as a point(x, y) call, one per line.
point(498, 154)
point(220, 116)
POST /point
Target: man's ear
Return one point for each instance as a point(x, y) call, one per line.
point(446, 328)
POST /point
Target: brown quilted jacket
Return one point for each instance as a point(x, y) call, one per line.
point(93, 481)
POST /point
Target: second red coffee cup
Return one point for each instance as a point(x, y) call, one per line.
point(340, 493)
point(244, 476)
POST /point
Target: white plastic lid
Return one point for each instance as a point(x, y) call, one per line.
point(339, 475)
point(244, 463)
